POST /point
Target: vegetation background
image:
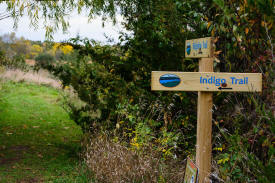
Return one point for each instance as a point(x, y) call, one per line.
point(124, 117)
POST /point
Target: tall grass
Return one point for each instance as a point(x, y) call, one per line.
point(41, 77)
point(112, 162)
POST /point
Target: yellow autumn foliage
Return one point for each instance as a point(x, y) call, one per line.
point(66, 49)
point(36, 50)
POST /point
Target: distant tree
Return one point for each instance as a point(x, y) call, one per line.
point(66, 49)
point(21, 47)
point(5, 44)
point(35, 50)
point(37, 42)
point(8, 38)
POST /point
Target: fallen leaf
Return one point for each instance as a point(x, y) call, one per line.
point(35, 126)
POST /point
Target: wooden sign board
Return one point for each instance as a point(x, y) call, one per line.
point(206, 81)
point(199, 48)
point(191, 172)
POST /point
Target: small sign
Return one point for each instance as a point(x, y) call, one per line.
point(206, 81)
point(191, 172)
point(169, 80)
point(198, 48)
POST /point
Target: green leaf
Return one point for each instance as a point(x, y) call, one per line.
point(220, 3)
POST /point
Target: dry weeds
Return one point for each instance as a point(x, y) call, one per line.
point(30, 62)
point(41, 77)
point(113, 163)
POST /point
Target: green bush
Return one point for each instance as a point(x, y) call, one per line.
point(44, 60)
point(117, 99)
point(16, 62)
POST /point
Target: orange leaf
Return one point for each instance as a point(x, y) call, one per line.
point(208, 25)
point(246, 30)
point(216, 39)
point(252, 22)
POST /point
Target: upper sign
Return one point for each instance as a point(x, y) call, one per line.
point(198, 48)
point(206, 81)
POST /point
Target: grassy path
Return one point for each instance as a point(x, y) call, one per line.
point(38, 141)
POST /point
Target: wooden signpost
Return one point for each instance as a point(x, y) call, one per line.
point(205, 82)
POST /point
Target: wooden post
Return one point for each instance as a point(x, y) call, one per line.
point(205, 83)
point(204, 126)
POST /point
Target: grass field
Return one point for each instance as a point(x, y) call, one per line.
point(38, 141)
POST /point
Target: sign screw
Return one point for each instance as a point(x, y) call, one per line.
point(224, 85)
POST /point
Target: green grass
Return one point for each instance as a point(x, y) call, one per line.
point(38, 141)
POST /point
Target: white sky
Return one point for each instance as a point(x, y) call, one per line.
point(78, 25)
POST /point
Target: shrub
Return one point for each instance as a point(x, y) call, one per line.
point(44, 60)
point(16, 62)
point(243, 145)
point(117, 98)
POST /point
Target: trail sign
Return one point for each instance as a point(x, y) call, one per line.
point(199, 48)
point(191, 172)
point(205, 82)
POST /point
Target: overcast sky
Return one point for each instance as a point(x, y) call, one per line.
point(78, 25)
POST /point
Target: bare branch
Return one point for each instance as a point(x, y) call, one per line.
point(269, 40)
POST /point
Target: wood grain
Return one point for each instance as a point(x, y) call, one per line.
point(190, 81)
point(204, 126)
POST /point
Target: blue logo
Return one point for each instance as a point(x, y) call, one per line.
point(188, 49)
point(169, 80)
